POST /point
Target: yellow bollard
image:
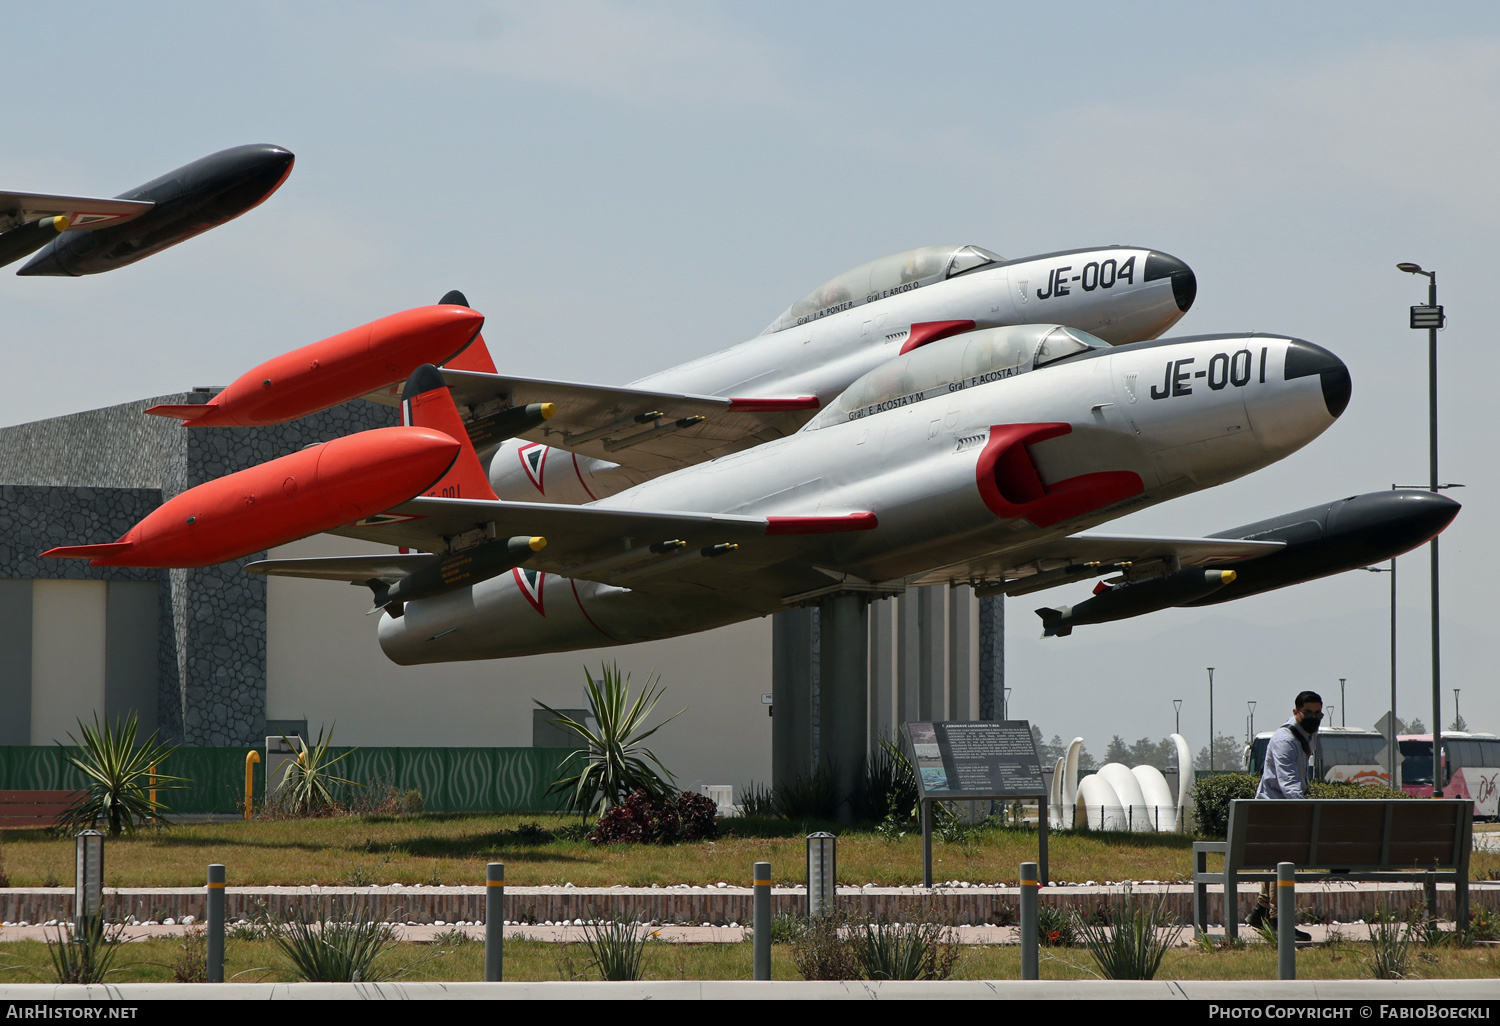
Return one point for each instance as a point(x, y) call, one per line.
point(250, 760)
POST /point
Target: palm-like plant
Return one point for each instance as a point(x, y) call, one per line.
point(307, 785)
point(119, 774)
point(613, 764)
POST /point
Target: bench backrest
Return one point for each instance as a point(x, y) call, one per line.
point(34, 808)
point(1351, 833)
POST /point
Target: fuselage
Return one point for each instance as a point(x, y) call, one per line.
point(964, 472)
point(861, 319)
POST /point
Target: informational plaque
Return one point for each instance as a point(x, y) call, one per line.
point(976, 759)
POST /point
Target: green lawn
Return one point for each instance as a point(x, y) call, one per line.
point(452, 849)
point(257, 961)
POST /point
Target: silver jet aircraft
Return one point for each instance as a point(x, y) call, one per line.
point(977, 458)
point(596, 440)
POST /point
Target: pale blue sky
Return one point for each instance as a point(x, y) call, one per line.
point(623, 186)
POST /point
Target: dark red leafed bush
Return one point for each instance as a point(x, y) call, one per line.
point(643, 819)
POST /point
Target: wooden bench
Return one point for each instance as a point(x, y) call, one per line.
point(1415, 840)
point(32, 809)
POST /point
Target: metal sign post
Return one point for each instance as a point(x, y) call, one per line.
point(975, 761)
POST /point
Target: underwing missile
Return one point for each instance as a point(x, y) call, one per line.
point(335, 370)
point(30, 237)
point(1337, 536)
point(185, 202)
point(456, 570)
point(318, 488)
point(1116, 602)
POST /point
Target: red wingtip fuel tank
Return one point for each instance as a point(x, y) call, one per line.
point(318, 488)
point(339, 368)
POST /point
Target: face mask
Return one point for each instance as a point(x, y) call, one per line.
point(1310, 722)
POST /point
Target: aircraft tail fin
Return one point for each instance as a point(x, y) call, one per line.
point(426, 402)
point(186, 413)
point(476, 355)
point(1053, 622)
point(89, 552)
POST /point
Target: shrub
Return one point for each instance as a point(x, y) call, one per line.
point(890, 791)
point(820, 953)
point(644, 819)
point(612, 763)
point(1391, 940)
point(759, 801)
point(307, 785)
point(84, 955)
point(1133, 947)
point(336, 945)
point(191, 963)
point(1348, 789)
point(920, 950)
point(808, 796)
point(1054, 926)
point(1211, 798)
point(618, 945)
point(119, 777)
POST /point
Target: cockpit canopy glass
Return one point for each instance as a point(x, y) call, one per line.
point(888, 276)
point(952, 364)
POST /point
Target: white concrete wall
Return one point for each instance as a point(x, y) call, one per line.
point(67, 657)
point(323, 663)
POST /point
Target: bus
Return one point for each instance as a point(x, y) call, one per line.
point(1473, 768)
point(1342, 755)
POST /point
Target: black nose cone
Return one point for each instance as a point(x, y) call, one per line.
point(1392, 522)
point(1305, 358)
point(1184, 282)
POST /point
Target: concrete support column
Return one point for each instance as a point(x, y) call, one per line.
point(991, 656)
point(960, 652)
point(882, 671)
point(932, 652)
point(844, 693)
point(908, 656)
point(791, 695)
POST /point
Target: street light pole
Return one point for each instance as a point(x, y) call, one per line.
point(1457, 719)
point(1343, 706)
point(1210, 719)
point(1431, 318)
point(1250, 733)
point(1177, 709)
point(1391, 752)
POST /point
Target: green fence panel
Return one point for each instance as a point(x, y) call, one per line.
point(450, 779)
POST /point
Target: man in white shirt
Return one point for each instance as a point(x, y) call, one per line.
point(1285, 776)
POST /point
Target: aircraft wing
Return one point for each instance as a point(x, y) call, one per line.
point(84, 213)
point(1067, 560)
point(614, 545)
point(389, 567)
point(654, 432)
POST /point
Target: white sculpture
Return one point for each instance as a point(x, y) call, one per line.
point(1118, 797)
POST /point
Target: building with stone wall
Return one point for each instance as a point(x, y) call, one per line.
point(216, 656)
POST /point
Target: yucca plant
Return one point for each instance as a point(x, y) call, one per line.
point(119, 776)
point(920, 950)
point(336, 946)
point(618, 945)
point(85, 954)
point(1391, 940)
point(612, 764)
point(1133, 944)
point(307, 785)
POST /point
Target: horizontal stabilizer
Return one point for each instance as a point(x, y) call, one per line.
point(187, 413)
point(389, 567)
point(88, 551)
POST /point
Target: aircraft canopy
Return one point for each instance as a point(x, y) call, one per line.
point(888, 276)
point(973, 358)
